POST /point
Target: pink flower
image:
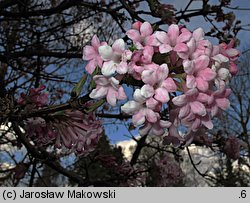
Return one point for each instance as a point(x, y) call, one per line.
point(197, 46)
point(191, 101)
point(109, 88)
point(91, 54)
point(219, 101)
point(157, 77)
point(142, 107)
point(221, 66)
point(35, 97)
point(173, 137)
point(199, 73)
point(192, 111)
point(142, 35)
point(157, 128)
point(174, 40)
point(231, 53)
point(139, 59)
point(115, 58)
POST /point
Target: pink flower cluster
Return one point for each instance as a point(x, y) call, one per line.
point(35, 97)
point(71, 129)
point(189, 79)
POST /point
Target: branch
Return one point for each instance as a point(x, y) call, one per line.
point(52, 109)
point(131, 12)
point(45, 53)
point(117, 116)
point(33, 172)
point(45, 12)
point(140, 145)
point(7, 3)
point(204, 175)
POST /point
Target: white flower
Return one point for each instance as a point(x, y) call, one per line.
point(115, 58)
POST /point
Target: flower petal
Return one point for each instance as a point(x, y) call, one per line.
point(198, 34)
point(184, 36)
point(148, 77)
point(161, 94)
point(196, 124)
point(214, 110)
point(122, 68)
point(151, 103)
point(191, 81)
point(184, 111)
point(201, 62)
point(191, 45)
point(181, 47)
point(119, 46)
point(151, 115)
point(114, 82)
point(130, 107)
point(148, 53)
point(144, 130)
point(232, 52)
point(188, 66)
point(121, 94)
point(165, 48)
point(101, 80)
point(207, 74)
point(139, 118)
point(170, 85)
point(233, 68)
point(106, 52)
point(201, 84)
point(138, 96)
point(207, 123)
point(223, 103)
point(137, 25)
point(88, 53)
point(157, 130)
point(223, 73)
point(108, 68)
point(162, 72)
point(112, 96)
point(147, 91)
point(91, 66)
point(162, 37)
point(192, 92)
point(198, 108)
point(134, 35)
point(95, 42)
point(173, 33)
point(99, 92)
point(220, 58)
point(180, 100)
point(202, 97)
point(146, 29)
point(164, 124)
